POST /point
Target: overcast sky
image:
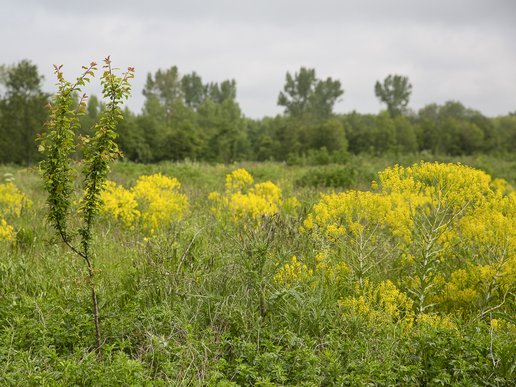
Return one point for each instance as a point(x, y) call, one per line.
point(461, 50)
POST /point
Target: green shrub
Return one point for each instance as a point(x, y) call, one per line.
point(331, 176)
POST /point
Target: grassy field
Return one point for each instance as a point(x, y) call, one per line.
point(338, 289)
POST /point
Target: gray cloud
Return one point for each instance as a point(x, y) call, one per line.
point(460, 50)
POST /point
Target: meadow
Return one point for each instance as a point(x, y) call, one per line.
point(379, 271)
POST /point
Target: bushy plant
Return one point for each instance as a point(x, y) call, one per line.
point(58, 143)
point(155, 201)
point(244, 201)
point(12, 201)
point(443, 232)
point(334, 176)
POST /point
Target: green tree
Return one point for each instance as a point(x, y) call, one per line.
point(226, 90)
point(429, 129)
point(454, 129)
point(223, 126)
point(304, 96)
point(505, 128)
point(384, 135)
point(194, 91)
point(406, 140)
point(58, 143)
point(185, 118)
point(22, 112)
point(330, 135)
point(395, 93)
point(132, 141)
point(168, 118)
point(360, 132)
point(164, 87)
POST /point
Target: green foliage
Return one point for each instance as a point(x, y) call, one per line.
point(101, 148)
point(394, 92)
point(58, 143)
point(200, 302)
point(304, 96)
point(22, 112)
point(331, 176)
point(186, 118)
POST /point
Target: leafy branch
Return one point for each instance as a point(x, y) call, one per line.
point(59, 142)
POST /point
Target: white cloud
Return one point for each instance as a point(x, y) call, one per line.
point(461, 50)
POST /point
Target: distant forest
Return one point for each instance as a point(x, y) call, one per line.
point(186, 118)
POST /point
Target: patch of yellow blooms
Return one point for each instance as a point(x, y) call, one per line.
point(154, 201)
point(293, 272)
point(12, 201)
point(452, 230)
point(248, 202)
point(327, 272)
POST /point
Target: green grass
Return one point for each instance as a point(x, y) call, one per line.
point(198, 304)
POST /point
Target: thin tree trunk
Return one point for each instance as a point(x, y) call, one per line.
point(96, 317)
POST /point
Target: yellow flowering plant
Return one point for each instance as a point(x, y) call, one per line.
point(357, 224)
point(327, 272)
point(12, 202)
point(293, 272)
point(120, 204)
point(440, 196)
point(154, 202)
point(6, 231)
point(379, 302)
point(159, 200)
point(427, 226)
point(244, 201)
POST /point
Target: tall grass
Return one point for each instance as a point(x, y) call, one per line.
point(197, 303)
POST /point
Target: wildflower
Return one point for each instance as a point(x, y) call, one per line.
point(6, 231)
point(293, 273)
point(120, 203)
point(155, 201)
point(383, 301)
point(243, 201)
point(238, 180)
point(159, 200)
point(12, 200)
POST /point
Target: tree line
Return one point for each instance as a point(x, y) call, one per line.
point(184, 117)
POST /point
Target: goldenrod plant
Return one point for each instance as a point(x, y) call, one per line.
point(12, 201)
point(61, 138)
point(154, 202)
point(250, 203)
point(445, 233)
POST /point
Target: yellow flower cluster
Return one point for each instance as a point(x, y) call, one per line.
point(453, 185)
point(381, 302)
point(153, 202)
point(385, 302)
point(120, 203)
point(452, 227)
point(238, 180)
point(436, 321)
point(331, 272)
point(12, 201)
point(325, 273)
point(477, 286)
point(466, 286)
point(294, 272)
point(493, 226)
point(159, 200)
point(6, 231)
point(356, 213)
point(244, 201)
